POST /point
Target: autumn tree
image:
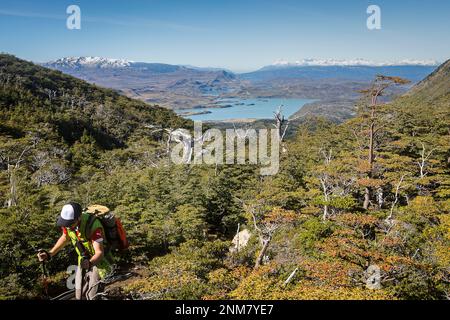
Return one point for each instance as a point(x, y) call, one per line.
point(374, 121)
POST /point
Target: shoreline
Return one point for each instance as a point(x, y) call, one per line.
point(240, 103)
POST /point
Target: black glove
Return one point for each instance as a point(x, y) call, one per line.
point(47, 255)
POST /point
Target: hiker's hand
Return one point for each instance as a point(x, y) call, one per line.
point(85, 264)
point(43, 255)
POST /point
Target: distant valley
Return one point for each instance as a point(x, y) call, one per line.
point(333, 85)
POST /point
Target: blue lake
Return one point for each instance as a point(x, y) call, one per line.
point(258, 108)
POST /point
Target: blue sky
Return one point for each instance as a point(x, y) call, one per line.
point(237, 34)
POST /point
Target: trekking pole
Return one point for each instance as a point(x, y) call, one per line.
point(45, 275)
point(44, 269)
point(83, 273)
point(45, 278)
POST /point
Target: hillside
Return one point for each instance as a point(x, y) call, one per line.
point(33, 97)
point(63, 139)
point(434, 87)
point(334, 223)
point(335, 246)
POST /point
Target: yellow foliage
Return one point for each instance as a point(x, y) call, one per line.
point(279, 215)
point(368, 182)
point(263, 284)
point(424, 206)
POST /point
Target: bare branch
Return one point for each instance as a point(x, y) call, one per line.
point(397, 189)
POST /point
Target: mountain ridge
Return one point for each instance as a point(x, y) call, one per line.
point(431, 90)
point(354, 73)
point(105, 62)
point(352, 62)
point(435, 84)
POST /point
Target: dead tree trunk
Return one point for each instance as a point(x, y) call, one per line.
point(325, 182)
point(281, 125)
point(12, 174)
point(262, 253)
point(397, 189)
point(325, 190)
point(368, 190)
point(12, 201)
point(424, 156)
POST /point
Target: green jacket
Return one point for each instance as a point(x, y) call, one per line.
point(104, 266)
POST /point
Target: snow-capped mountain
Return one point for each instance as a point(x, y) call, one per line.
point(93, 62)
point(151, 82)
point(108, 63)
point(353, 62)
point(353, 70)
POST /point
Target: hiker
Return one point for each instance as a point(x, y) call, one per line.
point(87, 234)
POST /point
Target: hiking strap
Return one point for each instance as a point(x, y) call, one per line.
point(81, 248)
point(88, 226)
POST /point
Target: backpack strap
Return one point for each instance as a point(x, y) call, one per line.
point(88, 226)
point(81, 248)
